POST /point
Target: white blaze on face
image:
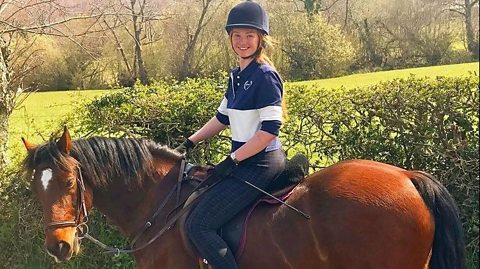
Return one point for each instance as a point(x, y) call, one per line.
point(47, 175)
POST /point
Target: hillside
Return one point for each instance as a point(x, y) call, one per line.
point(358, 80)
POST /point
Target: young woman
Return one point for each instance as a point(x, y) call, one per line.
point(252, 107)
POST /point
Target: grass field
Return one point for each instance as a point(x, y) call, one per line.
point(38, 116)
point(359, 80)
point(42, 113)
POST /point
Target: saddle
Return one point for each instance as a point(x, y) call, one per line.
point(234, 232)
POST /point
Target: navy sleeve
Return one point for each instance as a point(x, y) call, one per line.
point(223, 118)
point(271, 126)
point(269, 103)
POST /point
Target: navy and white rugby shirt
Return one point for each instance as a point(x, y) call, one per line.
point(253, 102)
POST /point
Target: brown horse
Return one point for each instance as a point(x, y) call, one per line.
point(364, 214)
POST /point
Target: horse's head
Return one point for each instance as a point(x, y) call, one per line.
point(58, 185)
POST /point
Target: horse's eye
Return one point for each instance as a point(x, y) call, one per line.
point(69, 183)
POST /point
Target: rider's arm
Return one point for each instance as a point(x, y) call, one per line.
point(210, 129)
point(257, 143)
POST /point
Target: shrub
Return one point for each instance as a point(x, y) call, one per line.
point(311, 48)
point(166, 112)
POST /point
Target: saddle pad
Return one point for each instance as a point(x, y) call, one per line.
point(235, 231)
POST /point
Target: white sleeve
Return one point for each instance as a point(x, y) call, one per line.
point(223, 107)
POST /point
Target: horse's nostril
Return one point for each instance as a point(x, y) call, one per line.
point(61, 251)
point(63, 248)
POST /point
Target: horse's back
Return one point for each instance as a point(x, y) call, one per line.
point(364, 214)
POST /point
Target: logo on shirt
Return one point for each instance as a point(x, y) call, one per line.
point(247, 84)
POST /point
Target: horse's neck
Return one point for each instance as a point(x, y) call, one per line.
point(129, 209)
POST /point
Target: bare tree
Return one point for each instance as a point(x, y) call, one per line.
point(186, 69)
point(119, 44)
point(137, 10)
point(20, 22)
point(314, 6)
point(137, 18)
point(466, 9)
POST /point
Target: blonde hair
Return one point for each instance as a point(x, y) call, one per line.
point(261, 55)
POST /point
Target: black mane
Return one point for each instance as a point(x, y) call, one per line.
point(103, 160)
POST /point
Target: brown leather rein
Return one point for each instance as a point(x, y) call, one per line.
point(83, 229)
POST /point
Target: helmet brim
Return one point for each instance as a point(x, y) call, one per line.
point(230, 27)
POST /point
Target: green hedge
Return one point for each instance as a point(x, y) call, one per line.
point(165, 112)
point(415, 123)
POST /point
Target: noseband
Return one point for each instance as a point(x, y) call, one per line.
point(79, 223)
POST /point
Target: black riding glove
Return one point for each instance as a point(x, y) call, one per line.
point(225, 167)
point(185, 147)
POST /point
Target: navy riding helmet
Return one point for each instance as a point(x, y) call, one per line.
point(248, 14)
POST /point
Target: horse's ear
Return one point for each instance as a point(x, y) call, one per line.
point(29, 146)
point(64, 144)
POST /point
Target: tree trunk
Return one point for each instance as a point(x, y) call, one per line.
point(472, 45)
point(189, 55)
point(6, 103)
point(119, 47)
point(140, 71)
point(371, 55)
point(186, 71)
point(311, 6)
point(3, 139)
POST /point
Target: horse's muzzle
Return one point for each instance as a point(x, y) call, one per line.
point(62, 251)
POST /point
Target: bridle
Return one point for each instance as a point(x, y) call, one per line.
point(79, 223)
point(83, 230)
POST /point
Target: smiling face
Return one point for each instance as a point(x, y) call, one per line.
point(245, 41)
